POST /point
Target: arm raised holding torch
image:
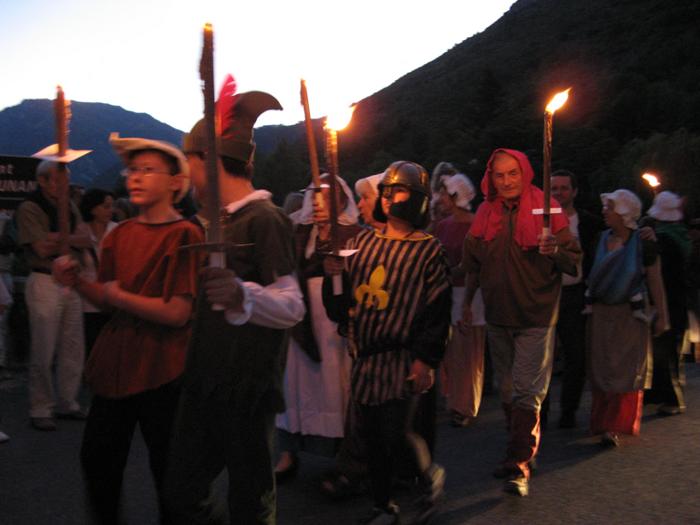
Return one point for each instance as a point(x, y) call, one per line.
point(548, 244)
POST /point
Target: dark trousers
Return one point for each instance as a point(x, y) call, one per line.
point(211, 435)
point(669, 377)
point(351, 460)
point(107, 438)
point(571, 329)
point(389, 437)
point(571, 332)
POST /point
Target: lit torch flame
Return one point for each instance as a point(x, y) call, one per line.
point(651, 179)
point(339, 119)
point(557, 101)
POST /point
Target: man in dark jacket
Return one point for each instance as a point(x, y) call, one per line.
point(571, 325)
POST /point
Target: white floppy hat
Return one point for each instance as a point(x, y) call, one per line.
point(667, 207)
point(627, 204)
point(368, 183)
point(461, 189)
point(124, 146)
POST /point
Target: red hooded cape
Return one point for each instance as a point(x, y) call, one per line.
point(489, 216)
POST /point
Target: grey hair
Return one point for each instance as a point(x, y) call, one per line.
point(46, 168)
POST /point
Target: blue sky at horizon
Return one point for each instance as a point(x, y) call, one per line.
point(144, 55)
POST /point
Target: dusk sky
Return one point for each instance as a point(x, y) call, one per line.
point(144, 55)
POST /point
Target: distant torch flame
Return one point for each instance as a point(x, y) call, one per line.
point(340, 118)
point(651, 179)
point(557, 101)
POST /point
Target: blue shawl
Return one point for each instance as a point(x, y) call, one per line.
point(618, 275)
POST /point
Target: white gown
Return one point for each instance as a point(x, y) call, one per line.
point(317, 393)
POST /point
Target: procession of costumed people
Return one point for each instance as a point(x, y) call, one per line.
point(330, 327)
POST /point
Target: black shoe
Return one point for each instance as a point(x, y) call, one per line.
point(567, 420)
point(517, 485)
point(388, 515)
point(610, 440)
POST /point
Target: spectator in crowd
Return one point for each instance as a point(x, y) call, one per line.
point(96, 209)
point(8, 246)
point(318, 364)
point(349, 474)
point(366, 190)
point(618, 340)
point(5, 303)
point(124, 209)
point(571, 326)
point(292, 203)
point(55, 313)
point(463, 367)
point(442, 171)
point(673, 244)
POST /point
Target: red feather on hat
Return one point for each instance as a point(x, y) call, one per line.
point(224, 106)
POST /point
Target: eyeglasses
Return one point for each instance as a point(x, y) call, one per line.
point(146, 171)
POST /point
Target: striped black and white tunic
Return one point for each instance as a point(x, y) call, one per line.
point(394, 285)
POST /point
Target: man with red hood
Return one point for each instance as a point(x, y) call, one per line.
point(519, 271)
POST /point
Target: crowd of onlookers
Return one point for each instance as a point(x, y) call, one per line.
point(613, 298)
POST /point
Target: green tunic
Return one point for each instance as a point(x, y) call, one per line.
point(249, 359)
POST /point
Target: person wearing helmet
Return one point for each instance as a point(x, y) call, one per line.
point(395, 309)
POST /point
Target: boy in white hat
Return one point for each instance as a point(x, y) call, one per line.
point(148, 283)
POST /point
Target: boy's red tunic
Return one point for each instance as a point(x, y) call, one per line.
point(133, 355)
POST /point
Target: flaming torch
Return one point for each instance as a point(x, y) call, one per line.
point(653, 181)
point(554, 104)
point(334, 123)
point(62, 116)
point(62, 154)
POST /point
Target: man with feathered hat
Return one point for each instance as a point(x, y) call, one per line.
point(232, 384)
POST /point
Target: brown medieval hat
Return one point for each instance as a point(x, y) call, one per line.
point(236, 139)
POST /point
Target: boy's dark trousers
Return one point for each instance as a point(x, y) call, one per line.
point(352, 456)
point(389, 437)
point(211, 433)
point(107, 438)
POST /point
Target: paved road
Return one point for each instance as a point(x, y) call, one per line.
point(650, 479)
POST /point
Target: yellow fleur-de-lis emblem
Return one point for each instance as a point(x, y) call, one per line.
point(373, 291)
